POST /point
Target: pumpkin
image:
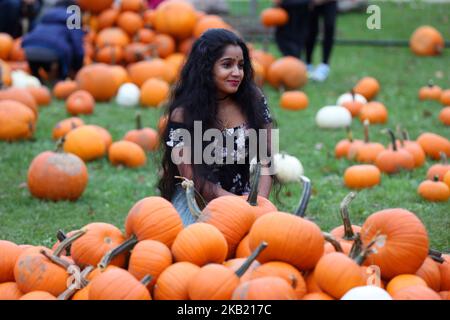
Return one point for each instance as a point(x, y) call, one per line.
point(22, 96)
point(127, 153)
point(406, 245)
point(287, 168)
point(92, 246)
point(418, 292)
point(349, 97)
point(362, 176)
point(96, 79)
point(264, 58)
point(447, 179)
point(294, 100)
point(38, 295)
point(80, 102)
point(366, 293)
point(414, 149)
point(273, 17)
point(130, 22)
point(445, 97)
point(285, 271)
point(403, 281)
point(86, 142)
point(22, 80)
point(342, 148)
point(106, 136)
point(5, 77)
point(142, 71)
point(426, 41)
point(217, 282)
point(135, 52)
point(374, 111)
point(395, 160)
point(444, 116)
point(439, 169)
point(429, 271)
point(433, 144)
point(146, 138)
point(41, 95)
point(132, 5)
point(243, 248)
point(317, 296)
point(149, 257)
point(17, 52)
point(120, 75)
point(112, 37)
point(200, 244)
point(185, 46)
point(176, 18)
point(267, 288)
point(346, 231)
point(209, 22)
point(95, 6)
point(128, 95)
point(118, 284)
point(6, 44)
point(57, 176)
point(145, 36)
point(434, 190)
point(288, 72)
point(17, 121)
point(164, 45)
point(444, 268)
point(172, 283)
point(8, 258)
point(368, 151)
point(63, 89)
point(154, 92)
point(109, 54)
point(333, 117)
point(367, 87)
point(9, 291)
point(235, 264)
point(430, 92)
point(107, 18)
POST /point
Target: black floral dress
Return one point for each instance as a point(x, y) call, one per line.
point(234, 178)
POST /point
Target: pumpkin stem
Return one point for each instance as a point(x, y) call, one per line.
point(366, 131)
point(111, 254)
point(430, 83)
point(55, 259)
point(405, 135)
point(294, 281)
point(348, 230)
point(356, 247)
point(69, 292)
point(352, 92)
point(349, 133)
point(60, 144)
point(263, 245)
point(306, 195)
point(436, 178)
point(67, 241)
point(393, 139)
point(254, 186)
point(378, 240)
point(146, 279)
point(188, 185)
point(436, 256)
point(329, 237)
point(138, 121)
point(61, 236)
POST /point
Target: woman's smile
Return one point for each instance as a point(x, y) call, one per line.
point(229, 70)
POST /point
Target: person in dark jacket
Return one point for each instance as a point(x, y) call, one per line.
point(291, 37)
point(52, 45)
point(13, 11)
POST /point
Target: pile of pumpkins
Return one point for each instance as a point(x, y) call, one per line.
point(238, 248)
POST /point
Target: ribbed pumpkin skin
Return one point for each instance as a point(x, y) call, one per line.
point(16, 121)
point(200, 243)
point(64, 126)
point(57, 176)
point(34, 272)
point(95, 243)
point(263, 206)
point(232, 216)
point(406, 245)
point(154, 218)
point(213, 282)
point(10, 291)
point(235, 264)
point(117, 284)
point(285, 271)
point(243, 248)
point(10, 252)
point(416, 293)
point(38, 295)
point(149, 257)
point(267, 288)
point(172, 283)
point(86, 142)
point(82, 294)
point(311, 283)
point(22, 96)
point(290, 239)
point(336, 274)
point(402, 281)
point(445, 273)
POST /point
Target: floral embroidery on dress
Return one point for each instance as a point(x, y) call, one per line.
point(175, 138)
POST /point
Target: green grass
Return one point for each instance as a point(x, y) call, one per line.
point(111, 191)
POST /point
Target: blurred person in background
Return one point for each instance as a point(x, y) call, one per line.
point(325, 10)
point(152, 4)
point(13, 14)
point(53, 46)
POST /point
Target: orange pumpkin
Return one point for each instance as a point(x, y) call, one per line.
point(172, 283)
point(86, 142)
point(145, 36)
point(154, 92)
point(426, 41)
point(444, 268)
point(57, 176)
point(368, 87)
point(20, 95)
point(434, 190)
point(243, 248)
point(367, 152)
point(6, 44)
point(264, 58)
point(429, 271)
point(294, 100)
point(444, 116)
point(130, 22)
point(17, 121)
point(155, 68)
point(433, 144)
point(447, 179)
point(106, 136)
point(109, 54)
point(375, 112)
point(430, 92)
point(362, 176)
point(288, 72)
point(10, 291)
point(267, 288)
point(392, 161)
point(164, 45)
point(209, 22)
point(8, 258)
point(146, 138)
point(107, 18)
point(445, 97)
point(95, 6)
point(112, 37)
point(80, 102)
point(235, 264)
point(343, 147)
point(41, 95)
point(274, 17)
point(439, 169)
point(127, 153)
point(96, 79)
point(63, 89)
point(38, 295)
point(403, 281)
point(418, 292)
point(176, 18)
point(135, 52)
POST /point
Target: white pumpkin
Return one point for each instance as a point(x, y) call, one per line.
point(128, 95)
point(21, 79)
point(333, 117)
point(286, 168)
point(367, 293)
point(349, 97)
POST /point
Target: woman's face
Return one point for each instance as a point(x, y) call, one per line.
point(229, 70)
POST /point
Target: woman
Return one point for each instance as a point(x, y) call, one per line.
point(215, 88)
point(327, 10)
point(52, 45)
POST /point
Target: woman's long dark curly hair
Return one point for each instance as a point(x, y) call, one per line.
point(196, 93)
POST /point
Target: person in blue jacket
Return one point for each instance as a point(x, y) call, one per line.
point(52, 45)
point(13, 11)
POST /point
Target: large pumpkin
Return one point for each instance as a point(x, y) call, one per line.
point(156, 68)
point(97, 80)
point(17, 121)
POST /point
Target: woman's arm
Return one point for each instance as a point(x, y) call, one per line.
point(265, 181)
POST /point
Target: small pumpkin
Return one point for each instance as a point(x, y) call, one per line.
point(367, 87)
point(433, 144)
point(288, 72)
point(274, 17)
point(176, 18)
point(350, 96)
point(375, 112)
point(17, 121)
point(209, 22)
point(141, 71)
point(445, 97)
point(395, 160)
point(172, 283)
point(8, 258)
point(362, 176)
point(63, 89)
point(96, 79)
point(444, 116)
point(342, 148)
point(368, 151)
point(41, 95)
point(426, 41)
point(127, 153)
point(354, 105)
point(80, 102)
point(128, 95)
point(22, 96)
point(112, 37)
point(86, 142)
point(154, 92)
point(439, 169)
point(333, 117)
point(430, 92)
point(267, 288)
point(130, 22)
point(434, 190)
point(294, 100)
point(417, 292)
point(403, 281)
point(164, 45)
point(429, 271)
point(146, 138)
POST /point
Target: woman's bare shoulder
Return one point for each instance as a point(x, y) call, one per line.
point(177, 114)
